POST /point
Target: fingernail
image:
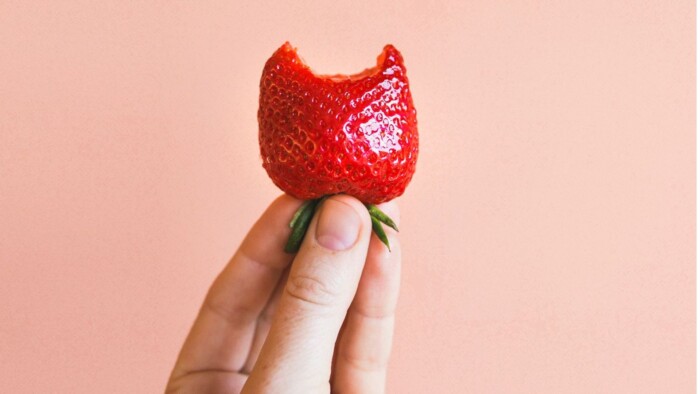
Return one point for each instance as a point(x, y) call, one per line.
point(338, 225)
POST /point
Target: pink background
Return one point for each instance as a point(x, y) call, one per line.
point(549, 231)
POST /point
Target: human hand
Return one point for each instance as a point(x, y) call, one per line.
point(316, 322)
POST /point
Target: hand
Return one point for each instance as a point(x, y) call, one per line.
point(319, 321)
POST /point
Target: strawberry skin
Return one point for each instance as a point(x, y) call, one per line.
point(322, 135)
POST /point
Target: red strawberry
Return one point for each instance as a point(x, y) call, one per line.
point(327, 134)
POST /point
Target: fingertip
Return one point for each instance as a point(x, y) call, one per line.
point(278, 214)
point(355, 204)
point(382, 263)
point(339, 224)
point(266, 239)
point(283, 205)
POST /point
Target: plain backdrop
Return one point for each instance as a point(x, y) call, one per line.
point(548, 233)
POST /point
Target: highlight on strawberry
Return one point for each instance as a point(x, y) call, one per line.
point(327, 134)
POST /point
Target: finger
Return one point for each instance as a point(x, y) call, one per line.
point(211, 382)
point(221, 336)
point(364, 346)
point(321, 285)
point(262, 328)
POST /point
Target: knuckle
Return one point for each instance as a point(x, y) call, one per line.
point(382, 312)
point(233, 315)
point(310, 290)
point(372, 362)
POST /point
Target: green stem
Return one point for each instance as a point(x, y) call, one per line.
point(381, 216)
point(299, 224)
point(297, 214)
point(302, 218)
point(379, 230)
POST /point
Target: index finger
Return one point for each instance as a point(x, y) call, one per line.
point(222, 334)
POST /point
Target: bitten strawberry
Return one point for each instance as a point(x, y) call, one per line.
point(327, 134)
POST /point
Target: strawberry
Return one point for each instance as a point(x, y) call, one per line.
point(327, 134)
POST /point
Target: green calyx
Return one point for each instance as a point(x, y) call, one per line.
point(302, 218)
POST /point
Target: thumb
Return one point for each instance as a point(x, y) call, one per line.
point(298, 352)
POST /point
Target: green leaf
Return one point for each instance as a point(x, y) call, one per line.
point(298, 213)
point(381, 216)
point(300, 223)
point(379, 230)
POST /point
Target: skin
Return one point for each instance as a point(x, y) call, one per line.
point(318, 322)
